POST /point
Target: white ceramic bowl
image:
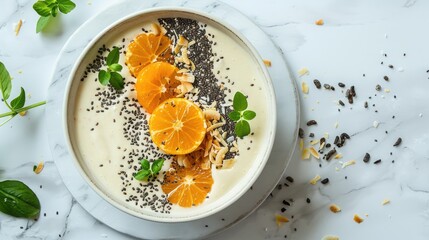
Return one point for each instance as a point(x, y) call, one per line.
point(242, 184)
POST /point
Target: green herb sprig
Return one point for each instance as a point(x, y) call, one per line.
point(241, 115)
point(15, 106)
point(112, 74)
point(48, 9)
point(148, 170)
point(18, 200)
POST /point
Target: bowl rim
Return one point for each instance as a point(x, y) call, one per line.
point(272, 111)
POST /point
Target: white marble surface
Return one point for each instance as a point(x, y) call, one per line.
point(352, 42)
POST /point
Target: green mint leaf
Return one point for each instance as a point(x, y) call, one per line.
point(19, 101)
point(5, 82)
point(42, 23)
point(18, 200)
point(145, 164)
point(242, 128)
point(239, 102)
point(142, 174)
point(42, 8)
point(113, 56)
point(157, 165)
point(117, 81)
point(104, 77)
point(51, 3)
point(66, 6)
point(54, 11)
point(249, 115)
point(234, 116)
point(115, 67)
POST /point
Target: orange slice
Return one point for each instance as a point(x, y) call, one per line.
point(187, 187)
point(145, 49)
point(155, 84)
point(177, 126)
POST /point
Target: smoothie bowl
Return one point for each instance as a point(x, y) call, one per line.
point(170, 115)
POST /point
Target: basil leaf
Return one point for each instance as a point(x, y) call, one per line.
point(113, 56)
point(234, 116)
point(115, 67)
point(142, 174)
point(18, 200)
point(42, 23)
point(145, 164)
point(42, 8)
point(242, 128)
point(157, 165)
point(104, 77)
point(239, 102)
point(249, 115)
point(5, 82)
point(117, 81)
point(19, 101)
point(66, 6)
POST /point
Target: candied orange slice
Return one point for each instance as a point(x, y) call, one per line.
point(177, 126)
point(155, 84)
point(187, 187)
point(146, 49)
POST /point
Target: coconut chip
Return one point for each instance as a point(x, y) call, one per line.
point(334, 208)
point(38, 169)
point(304, 87)
point(211, 114)
point(228, 163)
point(385, 201)
point(319, 22)
point(303, 71)
point(331, 237)
point(281, 219)
point(18, 27)
point(305, 154)
point(314, 153)
point(357, 218)
point(338, 156)
point(348, 163)
point(267, 63)
point(301, 144)
point(315, 180)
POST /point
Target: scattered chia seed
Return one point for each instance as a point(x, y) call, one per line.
point(366, 158)
point(311, 135)
point(366, 105)
point(378, 87)
point(311, 122)
point(308, 200)
point(286, 203)
point(398, 142)
point(341, 103)
point(378, 161)
point(325, 181)
point(301, 133)
point(327, 86)
point(391, 66)
point(290, 179)
point(330, 154)
point(283, 209)
point(317, 83)
point(340, 84)
point(386, 78)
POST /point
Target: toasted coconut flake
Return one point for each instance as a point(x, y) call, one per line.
point(385, 201)
point(233, 150)
point(235, 144)
point(205, 164)
point(305, 154)
point(182, 41)
point(319, 22)
point(187, 163)
point(18, 27)
point(334, 208)
point(386, 90)
point(338, 156)
point(281, 219)
point(348, 163)
point(304, 87)
point(185, 57)
point(211, 114)
point(326, 135)
point(267, 63)
point(228, 163)
point(221, 140)
point(303, 71)
point(38, 169)
point(357, 218)
point(301, 144)
point(315, 180)
point(156, 29)
point(336, 125)
point(314, 153)
point(314, 142)
point(331, 237)
point(214, 126)
point(220, 156)
point(322, 146)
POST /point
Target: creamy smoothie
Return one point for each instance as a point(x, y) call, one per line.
point(111, 128)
